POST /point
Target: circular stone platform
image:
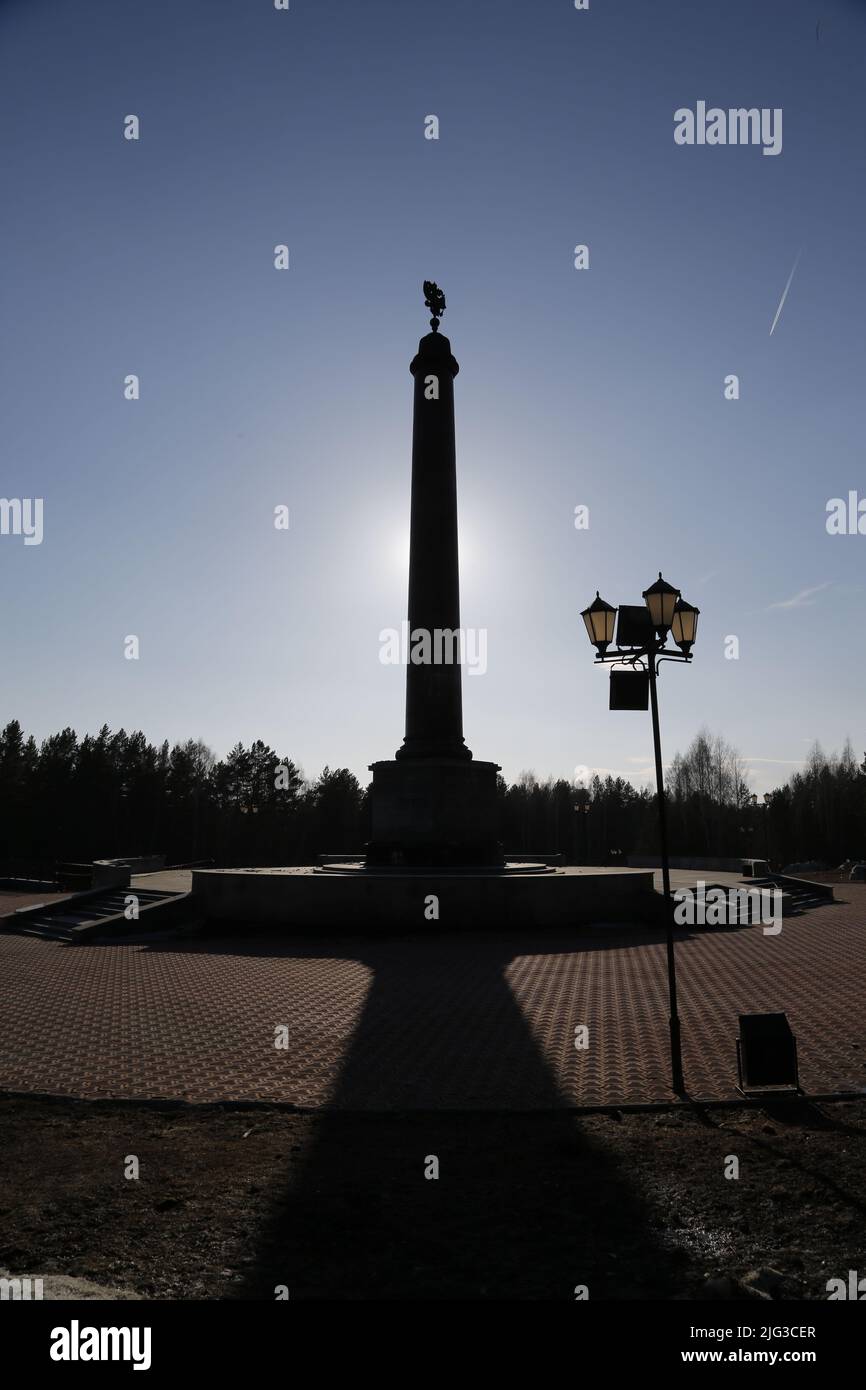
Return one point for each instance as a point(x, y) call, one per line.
point(359, 866)
point(349, 897)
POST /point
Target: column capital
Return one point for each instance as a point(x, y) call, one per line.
point(434, 354)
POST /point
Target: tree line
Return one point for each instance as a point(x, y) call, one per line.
point(72, 799)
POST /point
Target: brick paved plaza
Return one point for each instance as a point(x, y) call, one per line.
point(471, 1021)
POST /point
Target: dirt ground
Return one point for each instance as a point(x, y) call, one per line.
point(234, 1203)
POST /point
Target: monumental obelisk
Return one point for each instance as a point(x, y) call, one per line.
point(435, 821)
point(434, 804)
point(434, 696)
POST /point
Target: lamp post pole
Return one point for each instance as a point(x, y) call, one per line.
point(581, 811)
point(677, 1081)
point(756, 804)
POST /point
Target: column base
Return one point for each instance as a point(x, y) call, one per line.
point(436, 812)
point(450, 750)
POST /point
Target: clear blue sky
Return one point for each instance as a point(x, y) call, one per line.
point(601, 387)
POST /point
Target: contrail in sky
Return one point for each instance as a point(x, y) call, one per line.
point(785, 291)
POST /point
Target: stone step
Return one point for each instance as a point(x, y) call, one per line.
point(78, 922)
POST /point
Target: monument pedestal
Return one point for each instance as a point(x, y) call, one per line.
point(436, 812)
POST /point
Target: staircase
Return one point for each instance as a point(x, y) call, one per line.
point(100, 914)
point(799, 894)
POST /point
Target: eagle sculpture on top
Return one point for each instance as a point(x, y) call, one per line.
point(434, 299)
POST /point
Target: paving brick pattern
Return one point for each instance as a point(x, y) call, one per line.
point(475, 1021)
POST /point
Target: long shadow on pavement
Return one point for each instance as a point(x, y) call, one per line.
point(525, 1205)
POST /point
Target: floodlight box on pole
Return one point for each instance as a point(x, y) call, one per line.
point(629, 690)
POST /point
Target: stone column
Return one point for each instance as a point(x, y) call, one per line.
point(434, 703)
point(433, 804)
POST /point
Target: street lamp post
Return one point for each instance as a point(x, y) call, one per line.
point(581, 811)
point(641, 645)
point(767, 799)
point(677, 1081)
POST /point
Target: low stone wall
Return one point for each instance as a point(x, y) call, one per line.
point(116, 873)
point(652, 861)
